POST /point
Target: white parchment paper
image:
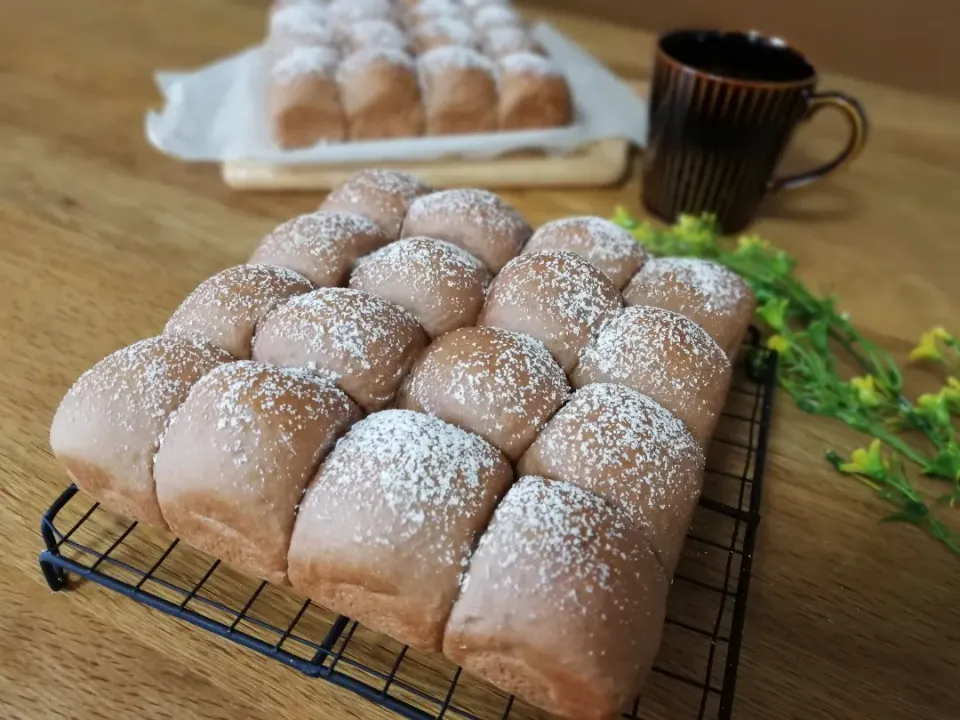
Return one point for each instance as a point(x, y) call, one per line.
point(218, 113)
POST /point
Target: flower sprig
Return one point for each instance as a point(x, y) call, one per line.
point(809, 333)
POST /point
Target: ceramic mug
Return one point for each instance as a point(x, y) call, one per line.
point(723, 106)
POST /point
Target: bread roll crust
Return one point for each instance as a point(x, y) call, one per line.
point(501, 385)
point(533, 93)
point(459, 91)
point(602, 243)
point(321, 246)
point(441, 285)
point(563, 603)
point(235, 460)
point(476, 220)
point(224, 309)
point(108, 426)
point(663, 355)
point(556, 297)
point(364, 344)
point(713, 296)
point(629, 450)
point(303, 100)
point(387, 525)
point(383, 196)
point(380, 93)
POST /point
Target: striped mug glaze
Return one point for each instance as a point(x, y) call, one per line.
point(723, 106)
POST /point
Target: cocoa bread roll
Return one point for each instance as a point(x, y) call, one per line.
point(501, 385)
point(441, 285)
point(224, 309)
point(108, 425)
point(663, 355)
point(301, 24)
point(444, 31)
point(621, 445)
point(476, 220)
point(472, 6)
point(376, 34)
point(349, 12)
point(303, 101)
point(419, 12)
point(381, 195)
point(533, 93)
point(459, 91)
point(603, 244)
point(237, 456)
point(494, 15)
point(713, 296)
point(386, 527)
point(563, 603)
point(556, 297)
point(507, 40)
point(321, 246)
point(364, 344)
point(380, 92)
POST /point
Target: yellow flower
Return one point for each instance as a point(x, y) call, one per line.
point(951, 391)
point(623, 218)
point(747, 243)
point(929, 400)
point(869, 393)
point(866, 461)
point(778, 343)
point(927, 349)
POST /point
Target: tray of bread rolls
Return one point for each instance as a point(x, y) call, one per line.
point(459, 467)
point(458, 91)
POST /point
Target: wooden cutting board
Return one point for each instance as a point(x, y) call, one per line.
point(604, 162)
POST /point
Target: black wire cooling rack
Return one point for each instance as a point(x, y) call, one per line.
point(696, 671)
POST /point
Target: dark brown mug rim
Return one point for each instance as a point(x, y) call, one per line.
point(662, 54)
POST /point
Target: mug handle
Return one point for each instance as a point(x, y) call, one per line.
point(856, 116)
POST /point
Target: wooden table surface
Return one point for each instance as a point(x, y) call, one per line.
point(100, 237)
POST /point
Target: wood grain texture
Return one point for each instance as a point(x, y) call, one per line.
point(100, 238)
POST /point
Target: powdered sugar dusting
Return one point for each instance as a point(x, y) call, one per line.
point(667, 350)
point(454, 56)
point(494, 16)
point(555, 283)
point(507, 39)
point(378, 33)
point(248, 396)
point(302, 60)
point(225, 308)
point(476, 4)
point(450, 30)
point(623, 439)
point(308, 22)
point(476, 220)
point(320, 234)
point(143, 382)
point(439, 283)
point(562, 542)
point(593, 238)
point(529, 63)
point(716, 289)
point(422, 479)
point(504, 382)
point(347, 12)
point(428, 9)
point(344, 333)
point(363, 58)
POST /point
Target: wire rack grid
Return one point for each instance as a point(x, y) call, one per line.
point(696, 670)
